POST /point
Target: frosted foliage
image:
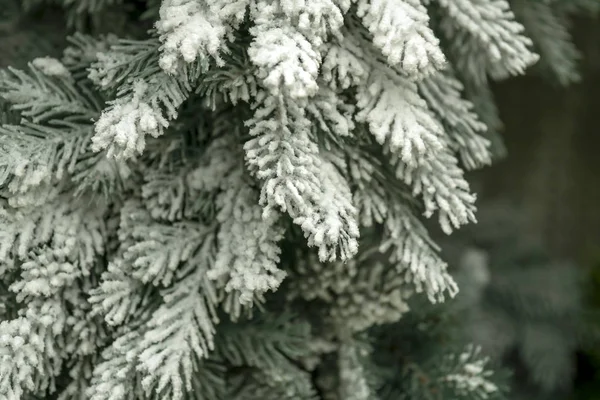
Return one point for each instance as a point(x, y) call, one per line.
point(19, 357)
point(27, 232)
point(489, 28)
point(287, 62)
point(378, 296)
point(219, 162)
point(341, 68)
point(443, 187)
point(549, 29)
point(143, 105)
point(104, 72)
point(359, 294)
point(31, 358)
point(166, 197)
point(415, 256)
point(45, 274)
point(55, 248)
point(442, 91)
point(39, 153)
point(16, 236)
point(192, 29)
point(400, 30)
point(147, 184)
point(248, 250)
point(113, 376)
point(117, 296)
point(370, 196)
point(410, 249)
point(316, 18)
point(72, 251)
point(180, 332)
point(353, 382)
point(298, 181)
point(398, 117)
point(470, 376)
point(122, 129)
point(330, 113)
point(158, 250)
point(51, 67)
point(400, 120)
point(28, 176)
point(48, 318)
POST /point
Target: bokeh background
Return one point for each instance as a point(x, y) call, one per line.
point(552, 171)
point(552, 135)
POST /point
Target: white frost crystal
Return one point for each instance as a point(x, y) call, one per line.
point(50, 66)
point(193, 29)
point(400, 29)
point(122, 129)
point(287, 62)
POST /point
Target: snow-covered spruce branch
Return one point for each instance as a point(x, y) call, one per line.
point(401, 121)
point(297, 180)
point(401, 31)
point(57, 248)
point(248, 251)
point(144, 105)
point(486, 38)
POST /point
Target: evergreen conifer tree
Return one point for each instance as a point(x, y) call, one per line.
point(224, 199)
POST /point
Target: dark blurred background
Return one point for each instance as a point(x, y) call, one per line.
point(552, 135)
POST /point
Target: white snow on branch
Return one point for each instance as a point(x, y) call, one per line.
point(247, 244)
point(193, 29)
point(122, 129)
point(399, 117)
point(51, 67)
point(443, 187)
point(248, 252)
point(145, 109)
point(549, 30)
point(400, 120)
point(20, 357)
point(114, 372)
point(181, 331)
point(443, 93)
point(470, 375)
point(488, 28)
point(287, 61)
point(400, 30)
point(343, 67)
point(316, 18)
point(330, 113)
point(298, 181)
point(415, 256)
